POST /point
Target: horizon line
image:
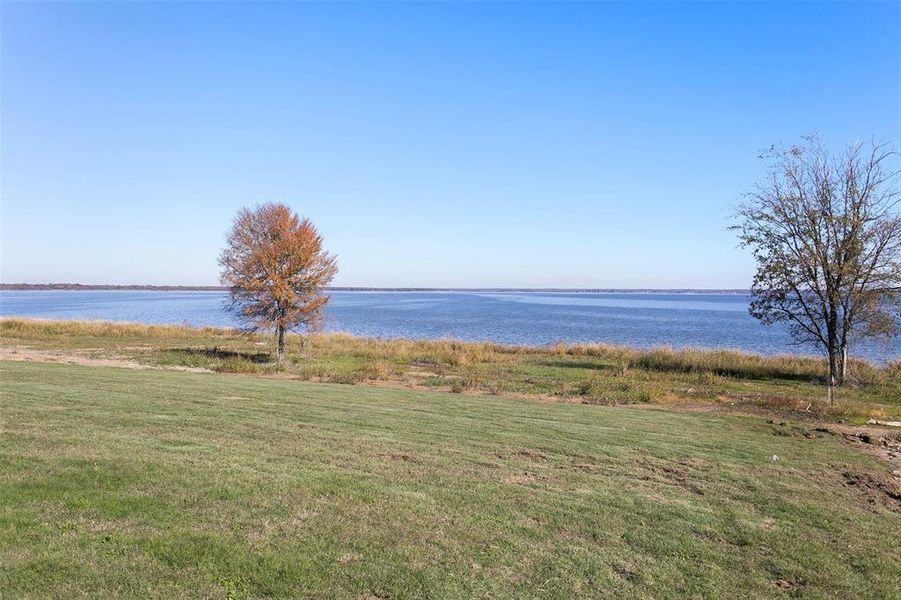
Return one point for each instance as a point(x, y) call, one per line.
point(354, 288)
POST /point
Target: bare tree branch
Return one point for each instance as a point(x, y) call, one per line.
point(826, 236)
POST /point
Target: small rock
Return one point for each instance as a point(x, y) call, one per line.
point(884, 423)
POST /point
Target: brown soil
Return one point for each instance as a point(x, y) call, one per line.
point(525, 478)
point(399, 456)
point(876, 488)
point(72, 357)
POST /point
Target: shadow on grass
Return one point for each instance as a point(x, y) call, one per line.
point(253, 357)
point(738, 372)
point(579, 364)
point(750, 372)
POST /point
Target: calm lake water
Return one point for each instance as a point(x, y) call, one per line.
point(535, 318)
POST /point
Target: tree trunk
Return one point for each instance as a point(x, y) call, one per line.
point(280, 334)
point(843, 371)
point(832, 350)
point(834, 369)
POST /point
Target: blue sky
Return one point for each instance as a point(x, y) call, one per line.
point(527, 145)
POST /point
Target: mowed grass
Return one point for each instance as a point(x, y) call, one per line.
point(593, 373)
point(131, 483)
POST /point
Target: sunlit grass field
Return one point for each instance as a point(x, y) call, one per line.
point(154, 483)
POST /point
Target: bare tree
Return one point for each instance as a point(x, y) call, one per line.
point(275, 268)
point(825, 232)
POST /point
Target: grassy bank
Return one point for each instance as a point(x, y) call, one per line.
point(118, 482)
point(587, 373)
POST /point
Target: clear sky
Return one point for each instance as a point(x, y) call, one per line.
point(526, 145)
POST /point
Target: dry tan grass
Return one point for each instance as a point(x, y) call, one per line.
point(13, 327)
point(448, 352)
point(455, 353)
point(595, 373)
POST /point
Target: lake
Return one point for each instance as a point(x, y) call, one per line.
point(703, 320)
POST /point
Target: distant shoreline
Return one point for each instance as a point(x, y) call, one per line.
point(216, 288)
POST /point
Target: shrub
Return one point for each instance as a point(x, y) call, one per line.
point(346, 377)
point(378, 370)
point(236, 364)
point(598, 390)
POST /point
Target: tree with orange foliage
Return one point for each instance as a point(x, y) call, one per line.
point(275, 268)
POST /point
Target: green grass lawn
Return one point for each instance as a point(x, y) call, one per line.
point(118, 482)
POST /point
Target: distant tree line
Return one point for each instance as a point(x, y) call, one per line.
point(87, 287)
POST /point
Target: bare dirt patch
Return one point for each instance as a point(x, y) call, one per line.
point(72, 357)
point(877, 489)
point(530, 454)
point(680, 474)
point(399, 456)
point(625, 570)
point(786, 584)
point(526, 453)
point(525, 478)
point(882, 443)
